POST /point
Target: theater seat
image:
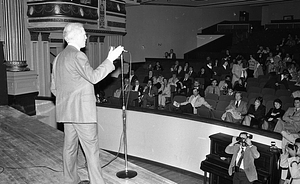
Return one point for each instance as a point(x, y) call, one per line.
point(203, 112)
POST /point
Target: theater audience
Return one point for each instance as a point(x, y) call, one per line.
point(213, 88)
point(291, 119)
point(191, 104)
point(172, 55)
point(273, 116)
point(186, 67)
point(202, 73)
point(255, 114)
point(173, 81)
point(236, 109)
point(209, 72)
point(149, 94)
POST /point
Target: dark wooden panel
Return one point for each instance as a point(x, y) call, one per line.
point(3, 78)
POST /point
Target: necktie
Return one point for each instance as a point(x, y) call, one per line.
point(237, 104)
point(149, 90)
point(214, 90)
point(241, 158)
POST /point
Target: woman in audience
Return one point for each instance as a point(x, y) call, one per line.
point(213, 88)
point(255, 114)
point(237, 69)
point(273, 115)
point(165, 93)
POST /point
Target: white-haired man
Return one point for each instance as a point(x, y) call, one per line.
point(72, 84)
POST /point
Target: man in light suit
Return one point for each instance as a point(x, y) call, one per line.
point(242, 161)
point(149, 94)
point(291, 119)
point(72, 84)
point(236, 109)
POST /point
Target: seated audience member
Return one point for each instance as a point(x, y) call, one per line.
point(225, 84)
point(156, 82)
point(173, 81)
point(273, 115)
point(185, 85)
point(213, 88)
point(236, 109)
point(202, 73)
point(175, 66)
point(192, 73)
point(239, 85)
point(165, 93)
point(158, 67)
point(149, 94)
point(180, 72)
point(132, 77)
point(191, 104)
point(290, 120)
point(224, 69)
point(186, 67)
point(255, 114)
point(137, 87)
point(149, 77)
point(275, 80)
point(127, 87)
point(167, 55)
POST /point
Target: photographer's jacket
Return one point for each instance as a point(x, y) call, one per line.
point(250, 154)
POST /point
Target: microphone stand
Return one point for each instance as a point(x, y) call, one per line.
point(125, 173)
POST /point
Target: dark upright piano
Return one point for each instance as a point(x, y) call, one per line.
point(217, 162)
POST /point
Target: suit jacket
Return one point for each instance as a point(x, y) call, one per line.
point(153, 90)
point(259, 113)
point(139, 89)
point(292, 112)
point(242, 108)
point(250, 154)
point(221, 71)
point(72, 84)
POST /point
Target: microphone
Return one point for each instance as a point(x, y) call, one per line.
point(125, 51)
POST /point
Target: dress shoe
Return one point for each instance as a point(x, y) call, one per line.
point(84, 182)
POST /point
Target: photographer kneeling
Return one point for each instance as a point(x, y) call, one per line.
point(290, 159)
point(242, 162)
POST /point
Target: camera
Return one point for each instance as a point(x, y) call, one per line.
point(293, 146)
point(240, 139)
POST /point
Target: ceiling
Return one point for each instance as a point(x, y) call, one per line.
point(209, 3)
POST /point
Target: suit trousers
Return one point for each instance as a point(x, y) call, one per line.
point(86, 133)
point(240, 178)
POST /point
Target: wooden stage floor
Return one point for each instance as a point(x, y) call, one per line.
point(31, 153)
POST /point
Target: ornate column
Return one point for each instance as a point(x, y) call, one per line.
point(14, 34)
point(21, 82)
